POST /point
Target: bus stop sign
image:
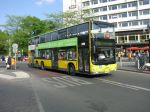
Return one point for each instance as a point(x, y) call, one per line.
point(15, 48)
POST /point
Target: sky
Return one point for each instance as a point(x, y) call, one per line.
point(38, 8)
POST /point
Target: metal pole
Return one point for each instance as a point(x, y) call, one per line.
point(149, 49)
point(15, 61)
point(148, 28)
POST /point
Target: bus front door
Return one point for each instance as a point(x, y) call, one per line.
point(83, 60)
point(54, 59)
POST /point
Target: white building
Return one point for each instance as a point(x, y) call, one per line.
point(131, 17)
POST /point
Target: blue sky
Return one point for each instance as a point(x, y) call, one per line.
point(36, 8)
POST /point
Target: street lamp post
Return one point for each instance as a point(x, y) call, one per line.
point(147, 31)
point(149, 49)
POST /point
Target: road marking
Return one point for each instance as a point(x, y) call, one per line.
point(40, 106)
point(124, 85)
point(18, 75)
point(21, 74)
point(137, 73)
point(8, 77)
point(66, 81)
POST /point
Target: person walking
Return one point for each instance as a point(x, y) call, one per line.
point(119, 55)
point(13, 63)
point(8, 66)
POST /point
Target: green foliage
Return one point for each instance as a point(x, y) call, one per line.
point(3, 42)
point(32, 25)
point(20, 29)
point(69, 18)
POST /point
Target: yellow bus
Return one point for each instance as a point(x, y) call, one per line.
point(87, 48)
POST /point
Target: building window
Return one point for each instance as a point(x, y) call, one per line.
point(111, 0)
point(133, 23)
point(123, 15)
point(87, 3)
point(133, 13)
point(104, 17)
point(133, 38)
point(94, 2)
point(145, 12)
point(123, 24)
point(122, 6)
point(113, 7)
point(145, 22)
point(115, 25)
point(113, 16)
point(132, 4)
point(122, 39)
point(103, 9)
point(96, 18)
point(102, 1)
point(95, 10)
point(144, 2)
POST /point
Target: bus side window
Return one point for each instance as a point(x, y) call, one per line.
point(62, 55)
point(71, 54)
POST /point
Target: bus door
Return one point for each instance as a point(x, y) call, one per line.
point(83, 60)
point(54, 58)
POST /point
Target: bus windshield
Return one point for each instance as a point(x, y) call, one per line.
point(100, 30)
point(103, 51)
point(103, 55)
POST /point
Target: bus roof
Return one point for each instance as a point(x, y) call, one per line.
point(99, 23)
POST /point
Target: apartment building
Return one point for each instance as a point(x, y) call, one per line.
point(131, 17)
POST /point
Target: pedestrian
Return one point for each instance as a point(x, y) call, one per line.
point(129, 56)
point(13, 62)
point(8, 66)
point(6, 60)
point(119, 55)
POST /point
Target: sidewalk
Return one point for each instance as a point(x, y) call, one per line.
point(11, 74)
point(129, 66)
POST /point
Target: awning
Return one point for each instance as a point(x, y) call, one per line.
point(145, 48)
point(133, 48)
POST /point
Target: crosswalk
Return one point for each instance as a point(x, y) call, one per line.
point(66, 81)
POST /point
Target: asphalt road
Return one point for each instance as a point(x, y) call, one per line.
point(48, 91)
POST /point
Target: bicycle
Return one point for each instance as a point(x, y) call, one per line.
point(145, 67)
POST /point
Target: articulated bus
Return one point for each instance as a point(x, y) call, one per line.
point(87, 48)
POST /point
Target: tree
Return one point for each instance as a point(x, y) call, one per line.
point(32, 25)
point(3, 42)
point(56, 18)
point(21, 29)
point(12, 23)
point(68, 18)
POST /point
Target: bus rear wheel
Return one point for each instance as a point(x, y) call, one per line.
point(71, 69)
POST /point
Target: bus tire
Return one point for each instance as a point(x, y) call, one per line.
point(42, 66)
point(71, 69)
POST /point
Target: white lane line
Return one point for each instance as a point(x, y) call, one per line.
point(69, 80)
point(54, 83)
point(124, 85)
point(59, 79)
point(66, 81)
point(137, 73)
point(40, 106)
